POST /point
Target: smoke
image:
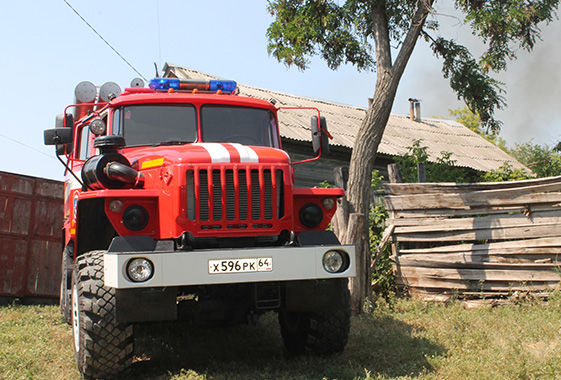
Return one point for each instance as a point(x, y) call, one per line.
point(533, 92)
point(532, 84)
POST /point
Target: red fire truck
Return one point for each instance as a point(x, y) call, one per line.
point(180, 204)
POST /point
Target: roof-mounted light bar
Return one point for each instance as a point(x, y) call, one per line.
point(166, 84)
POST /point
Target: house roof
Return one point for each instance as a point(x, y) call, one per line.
point(467, 147)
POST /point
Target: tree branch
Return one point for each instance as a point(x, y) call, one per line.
point(412, 36)
point(381, 37)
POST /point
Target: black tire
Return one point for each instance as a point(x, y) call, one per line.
point(102, 347)
point(322, 333)
point(66, 284)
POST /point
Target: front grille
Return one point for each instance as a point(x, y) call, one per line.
point(226, 197)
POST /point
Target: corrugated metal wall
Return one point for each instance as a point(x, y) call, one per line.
point(31, 212)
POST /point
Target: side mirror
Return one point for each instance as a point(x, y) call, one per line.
point(61, 136)
point(320, 137)
point(60, 122)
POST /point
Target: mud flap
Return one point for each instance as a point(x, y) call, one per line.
point(146, 304)
point(314, 295)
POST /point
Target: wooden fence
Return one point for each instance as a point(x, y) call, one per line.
point(472, 240)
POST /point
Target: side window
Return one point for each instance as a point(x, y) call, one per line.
point(84, 141)
point(117, 129)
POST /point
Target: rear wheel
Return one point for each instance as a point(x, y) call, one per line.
point(103, 348)
point(324, 332)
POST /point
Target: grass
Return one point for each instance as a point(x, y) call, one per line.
point(403, 339)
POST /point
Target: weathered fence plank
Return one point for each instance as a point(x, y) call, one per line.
point(484, 238)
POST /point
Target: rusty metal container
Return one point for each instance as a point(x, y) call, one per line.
point(31, 212)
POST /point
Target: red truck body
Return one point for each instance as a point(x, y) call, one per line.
point(180, 203)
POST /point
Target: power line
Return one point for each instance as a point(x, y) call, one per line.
point(27, 146)
point(104, 40)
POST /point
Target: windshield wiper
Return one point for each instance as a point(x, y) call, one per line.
point(172, 142)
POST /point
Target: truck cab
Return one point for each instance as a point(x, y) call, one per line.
point(180, 204)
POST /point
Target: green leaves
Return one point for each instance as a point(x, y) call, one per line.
point(343, 32)
point(306, 28)
point(506, 25)
point(470, 82)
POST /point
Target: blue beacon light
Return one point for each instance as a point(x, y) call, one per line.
point(224, 85)
point(164, 84)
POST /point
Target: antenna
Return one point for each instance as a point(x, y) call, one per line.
point(156, 66)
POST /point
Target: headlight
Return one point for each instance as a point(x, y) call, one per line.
point(311, 215)
point(135, 218)
point(97, 127)
point(335, 261)
point(140, 270)
point(116, 205)
point(328, 203)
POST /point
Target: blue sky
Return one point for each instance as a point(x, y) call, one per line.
point(47, 50)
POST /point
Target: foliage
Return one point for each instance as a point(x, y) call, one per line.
point(383, 280)
point(443, 170)
point(352, 31)
point(316, 27)
point(480, 92)
point(505, 173)
point(541, 159)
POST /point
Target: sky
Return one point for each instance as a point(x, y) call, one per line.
point(47, 50)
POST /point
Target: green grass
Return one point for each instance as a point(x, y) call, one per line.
point(405, 339)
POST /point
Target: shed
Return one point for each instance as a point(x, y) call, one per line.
point(30, 236)
point(468, 148)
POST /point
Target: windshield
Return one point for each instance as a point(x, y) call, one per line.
point(156, 124)
point(248, 126)
point(177, 124)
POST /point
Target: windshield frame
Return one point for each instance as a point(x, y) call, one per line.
point(270, 129)
point(119, 124)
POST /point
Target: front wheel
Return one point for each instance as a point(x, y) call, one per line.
point(324, 332)
point(103, 348)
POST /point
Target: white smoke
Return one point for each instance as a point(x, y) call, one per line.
point(532, 84)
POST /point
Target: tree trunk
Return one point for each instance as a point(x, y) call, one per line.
point(369, 137)
point(358, 189)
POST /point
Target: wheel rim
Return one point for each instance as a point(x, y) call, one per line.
point(75, 318)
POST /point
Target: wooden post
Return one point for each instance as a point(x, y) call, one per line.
point(393, 173)
point(421, 172)
point(359, 285)
point(341, 218)
point(349, 230)
point(341, 176)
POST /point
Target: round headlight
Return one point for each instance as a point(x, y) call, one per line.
point(311, 215)
point(328, 203)
point(97, 127)
point(116, 205)
point(135, 218)
point(334, 261)
point(140, 270)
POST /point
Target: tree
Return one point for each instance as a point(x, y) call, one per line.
point(362, 32)
point(541, 159)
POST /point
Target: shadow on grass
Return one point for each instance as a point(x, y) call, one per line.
point(380, 346)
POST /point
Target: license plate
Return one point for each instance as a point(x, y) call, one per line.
point(260, 264)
